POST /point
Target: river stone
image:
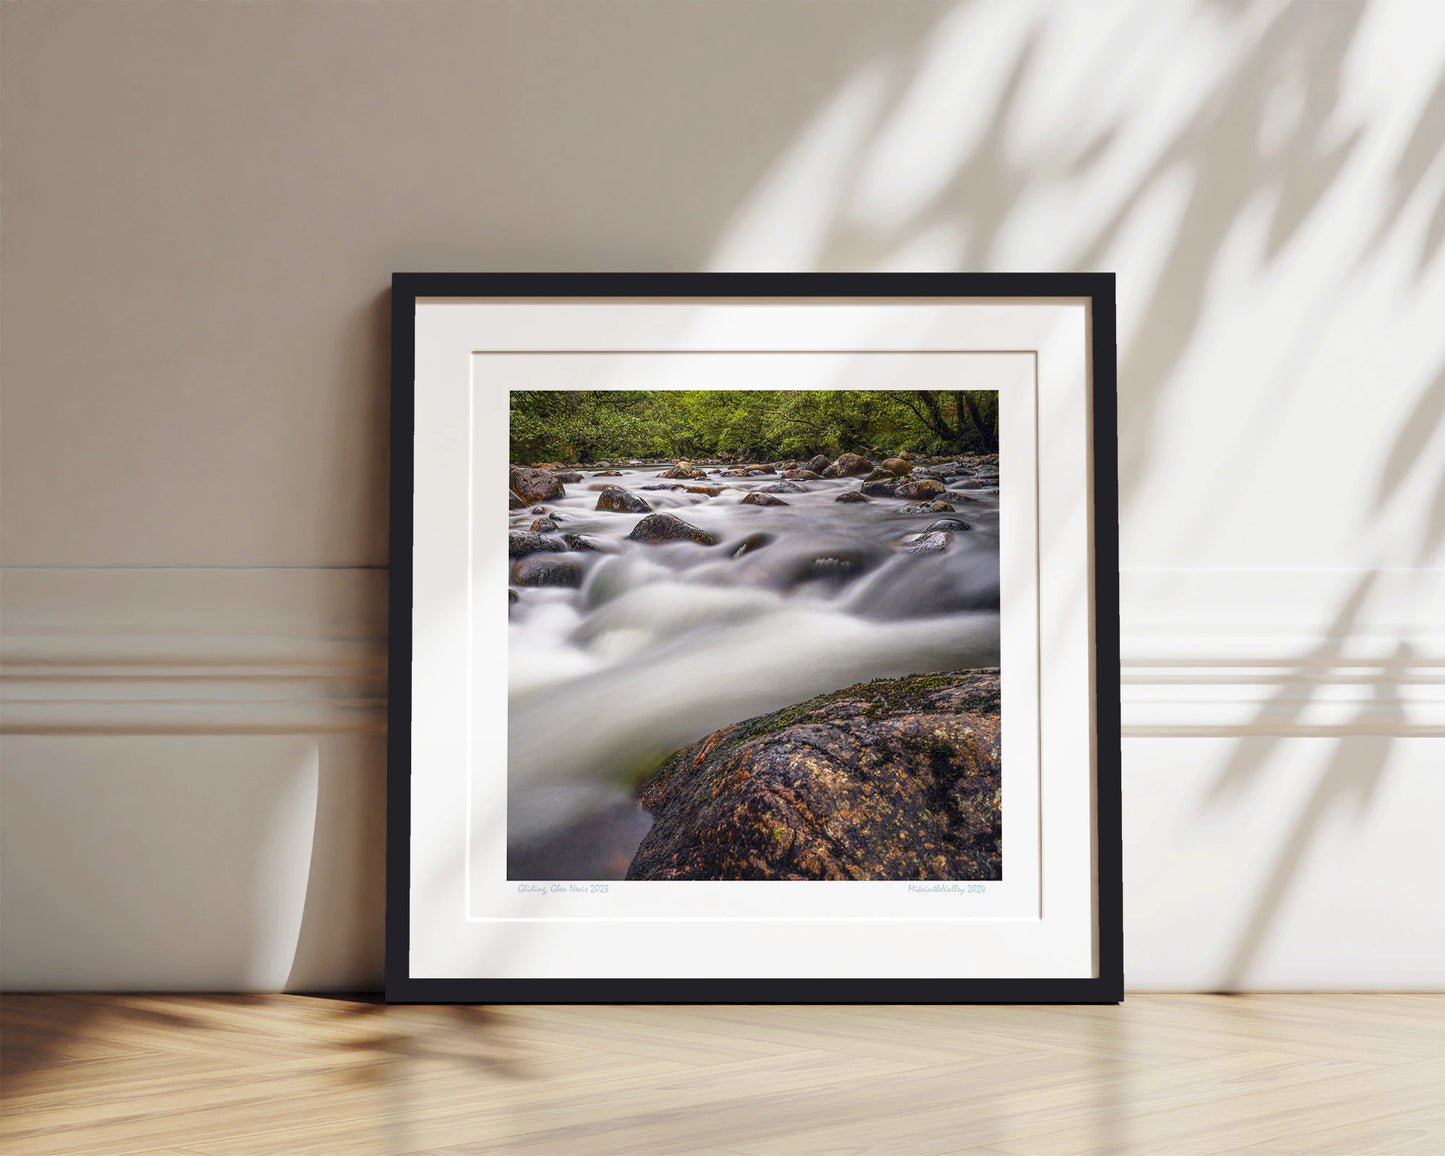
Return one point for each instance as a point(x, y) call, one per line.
point(512, 597)
point(662, 486)
point(878, 489)
point(784, 488)
point(847, 465)
point(816, 464)
point(514, 501)
point(710, 491)
point(935, 507)
point(761, 499)
point(979, 484)
point(851, 496)
point(520, 543)
point(546, 570)
point(543, 525)
point(669, 528)
point(581, 542)
point(621, 501)
point(750, 543)
point(802, 475)
point(897, 466)
point(928, 543)
point(684, 469)
point(888, 780)
point(919, 488)
point(608, 474)
point(952, 525)
point(535, 485)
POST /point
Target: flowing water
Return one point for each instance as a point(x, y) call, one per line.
point(663, 643)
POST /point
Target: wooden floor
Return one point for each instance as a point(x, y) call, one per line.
point(292, 1074)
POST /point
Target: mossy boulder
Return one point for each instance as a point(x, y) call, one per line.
point(888, 780)
point(847, 465)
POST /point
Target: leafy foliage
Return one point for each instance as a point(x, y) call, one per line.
point(592, 425)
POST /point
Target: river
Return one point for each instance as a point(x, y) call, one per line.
point(661, 644)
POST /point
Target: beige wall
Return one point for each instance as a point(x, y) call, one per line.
point(201, 205)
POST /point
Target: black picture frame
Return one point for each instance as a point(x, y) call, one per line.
point(1108, 986)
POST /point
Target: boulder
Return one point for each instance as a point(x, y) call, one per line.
point(784, 488)
point(621, 501)
point(952, 525)
point(898, 466)
point(907, 455)
point(934, 507)
point(916, 489)
point(759, 498)
point(608, 474)
point(546, 570)
point(709, 491)
point(847, 465)
point(514, 501)
point(520, 543)
point(544, 525)
point(669, 528)
point(880, 475)
point(662, 486)
point(889, 780)
point(851, 496)
point(979, 484)
point(879, 489)
point(801, 475)
point(535, 485)
point(569, 477)
point(817, 464)
point(581, 542)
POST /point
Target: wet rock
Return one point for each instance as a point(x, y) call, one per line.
point(750, 543)
point(761, 499)
point(759, 470)
point(979, 484)
point(907, 455)
point(582, 542)
point(608, 474)
point(514, 501)
point(817, 464)
point(847, 465)
point(731, 474)
point(669, 528)
point(919, 488)
point(512, 597)
point(546, 570)
point(535, 485)
point(802, 475)
point(662, 486)
point(784, 488)
point(878, 489)
point(684, 469)
point(851, 496)
point(621, 501)
point(898, 466)
point(543, 526)
point(952, 525)
point(710, 491)
point(894, 779)
point(927, 543)
point(934, 507)
point(520, 543)
point(569, 477)
point(879, 475)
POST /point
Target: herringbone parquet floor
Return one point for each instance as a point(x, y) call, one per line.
point(252, 1075)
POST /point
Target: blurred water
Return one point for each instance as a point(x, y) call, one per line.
point(662, 644)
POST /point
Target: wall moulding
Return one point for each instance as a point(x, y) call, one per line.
point(193, 651)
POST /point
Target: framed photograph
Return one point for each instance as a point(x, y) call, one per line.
point(797, 680)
